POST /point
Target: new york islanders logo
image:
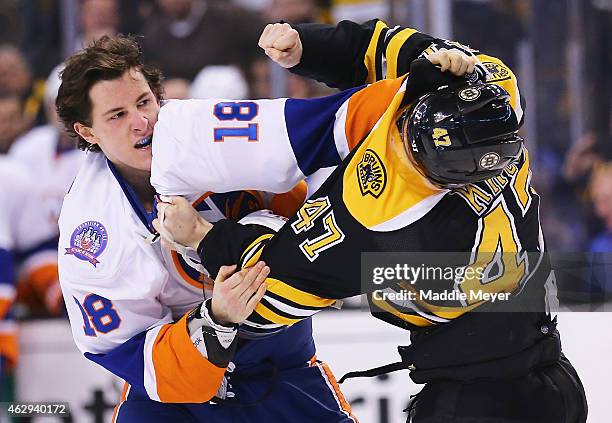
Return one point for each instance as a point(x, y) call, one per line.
point(371, 174)
point(88, 241)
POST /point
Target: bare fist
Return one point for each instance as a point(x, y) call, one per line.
point(281, 44)
point(235, 295)
point(181, 222)
point(455, 61)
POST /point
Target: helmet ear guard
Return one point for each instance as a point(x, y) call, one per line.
point(461, 135)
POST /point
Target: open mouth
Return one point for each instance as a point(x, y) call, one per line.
point(144, 142)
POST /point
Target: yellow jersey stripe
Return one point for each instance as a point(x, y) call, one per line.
point(369, 60)
point(392, 53)
point(255, 244)
point(273, 317)
point(295, 295)
point(413, 319)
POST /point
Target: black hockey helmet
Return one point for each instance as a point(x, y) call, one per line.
point(457, 136)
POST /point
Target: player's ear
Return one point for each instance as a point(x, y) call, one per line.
point(85, 132)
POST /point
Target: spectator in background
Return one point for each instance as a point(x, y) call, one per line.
point(15, 75)
point(12, 121)
point(297, 86)
point(96, 18)
point(598, 62)
point(359, 10)
point(294, 11)
point(601, 195)
point(16, 79)
point(219, 82)
point(15, 87)
point(176, 88)
point(495, 26)
point(42, 38)
point(11, 26)
point(601, 245)
point(188, 35)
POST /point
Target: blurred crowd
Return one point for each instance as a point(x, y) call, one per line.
point(208, 48)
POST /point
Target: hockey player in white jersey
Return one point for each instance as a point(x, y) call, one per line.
point(50, 151)
point(138, 309)
point(28, 247)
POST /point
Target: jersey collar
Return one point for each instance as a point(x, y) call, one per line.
point(145, 217)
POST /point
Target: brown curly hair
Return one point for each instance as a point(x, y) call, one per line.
point(105, 59)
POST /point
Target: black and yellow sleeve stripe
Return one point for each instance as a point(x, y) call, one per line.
point(282, 304)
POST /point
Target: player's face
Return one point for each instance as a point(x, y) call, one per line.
point(124, 112)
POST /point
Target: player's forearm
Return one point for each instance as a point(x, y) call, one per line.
point(334, 54)
point(227, 242)
point(164, 362)
point(351, 54)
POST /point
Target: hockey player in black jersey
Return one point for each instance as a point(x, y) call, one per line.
point(443, 170)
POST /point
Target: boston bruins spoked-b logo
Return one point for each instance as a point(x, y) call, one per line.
point(469, 94)
point(371, 174)
point(489, 160)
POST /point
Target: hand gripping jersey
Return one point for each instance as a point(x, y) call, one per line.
point(128, 301)
point(374, 201)
point(28, 245)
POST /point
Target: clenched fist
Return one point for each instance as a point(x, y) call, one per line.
point(281, 44)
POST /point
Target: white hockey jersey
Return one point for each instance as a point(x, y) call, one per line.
point(123, 294)
point(26, 241)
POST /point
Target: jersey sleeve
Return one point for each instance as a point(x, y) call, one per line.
point(243, 243)
point(265, 145)
point(351, 54)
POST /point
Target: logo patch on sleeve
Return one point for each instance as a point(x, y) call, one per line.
point(88, 241)
point(498, 72)
point(371, 174)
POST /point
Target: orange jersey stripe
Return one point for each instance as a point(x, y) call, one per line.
point(288, 203)
point(9, 349)
point(5, 305)
point(121, 401)
point(184, 275)
point(344, 405)
point(366, 107)
point(41, 278)
point(183, 375)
